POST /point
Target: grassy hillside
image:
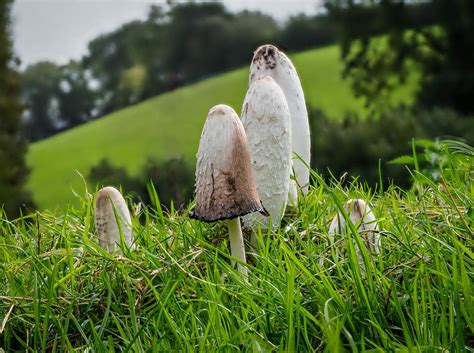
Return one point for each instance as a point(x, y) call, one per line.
point(170, 125)
point(177, 292)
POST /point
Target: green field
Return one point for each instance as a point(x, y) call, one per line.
point(177, 291)
point(170, 126)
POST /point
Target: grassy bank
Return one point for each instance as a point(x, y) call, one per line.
point(177, 291)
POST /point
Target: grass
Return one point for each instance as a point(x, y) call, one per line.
point(60, 291)
point(170, 126)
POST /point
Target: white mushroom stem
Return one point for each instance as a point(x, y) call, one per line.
point(237, 248)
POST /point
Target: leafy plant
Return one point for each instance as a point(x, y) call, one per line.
point(440, 159)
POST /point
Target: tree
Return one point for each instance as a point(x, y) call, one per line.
point(76, 98)
point(436, 37)
point(127, 61)
point(40, 91)
point(56, 98)
point(227, 39)
point(13, 171)
point(303, 32)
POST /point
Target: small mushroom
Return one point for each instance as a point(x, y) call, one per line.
point(225, 189)
point(268, 60)
point(266, 120)
point(111, 216)
point(361, 216)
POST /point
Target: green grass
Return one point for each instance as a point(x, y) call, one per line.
point(170, 126)
point(59, 291)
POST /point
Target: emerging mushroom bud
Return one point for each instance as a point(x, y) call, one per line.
point(225, 188)
point(266, 119)
point(111, 212)
point(268, 60)
point(361, 216)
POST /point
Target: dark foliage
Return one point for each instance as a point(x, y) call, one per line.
point(173, 180)
point(303, 32)
point(56, 98)
point(105, 173)
point(435, 36)
point(355, 146)
point(13, 170)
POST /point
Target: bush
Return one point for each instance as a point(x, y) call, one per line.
point(173, 180)
point(355, 146)
point(105, 173)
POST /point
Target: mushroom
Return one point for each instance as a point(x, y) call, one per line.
point(361, 216)
point(225, 189)
point(268, 60)
point(111, 216)
point(266, 120)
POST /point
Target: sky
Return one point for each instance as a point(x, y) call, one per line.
point(59, 30)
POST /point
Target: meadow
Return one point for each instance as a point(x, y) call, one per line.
point(170, 126)
point(178, 292)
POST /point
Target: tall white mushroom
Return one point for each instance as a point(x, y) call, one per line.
point(111, 212)
point(266, 120)
point(225, 189)
point(268, 60)
point(361, 216)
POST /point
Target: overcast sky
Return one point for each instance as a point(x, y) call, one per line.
point(59, 30)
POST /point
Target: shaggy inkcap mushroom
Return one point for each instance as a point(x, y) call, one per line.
point(111, 212)
point(225, 189)
point(266, 119)
point(268, 60)
point(362, 216)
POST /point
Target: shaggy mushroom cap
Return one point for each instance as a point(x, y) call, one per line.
point(225, 186)
point(359, 213)
point(268, 60)
point(109, 199)
point(266, 119)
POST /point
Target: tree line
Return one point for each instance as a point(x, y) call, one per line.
point(432, 37)
point(382, 43)
point(173, 46)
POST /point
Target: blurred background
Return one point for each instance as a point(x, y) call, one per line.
point(105, 92)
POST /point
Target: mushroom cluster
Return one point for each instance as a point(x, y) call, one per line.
point(244, 166)
point(251, 167)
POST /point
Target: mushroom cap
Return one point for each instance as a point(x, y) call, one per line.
point(268, 60)
point(359, 212)
point(109, 199)
point(266, 119)
point(225, 186)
